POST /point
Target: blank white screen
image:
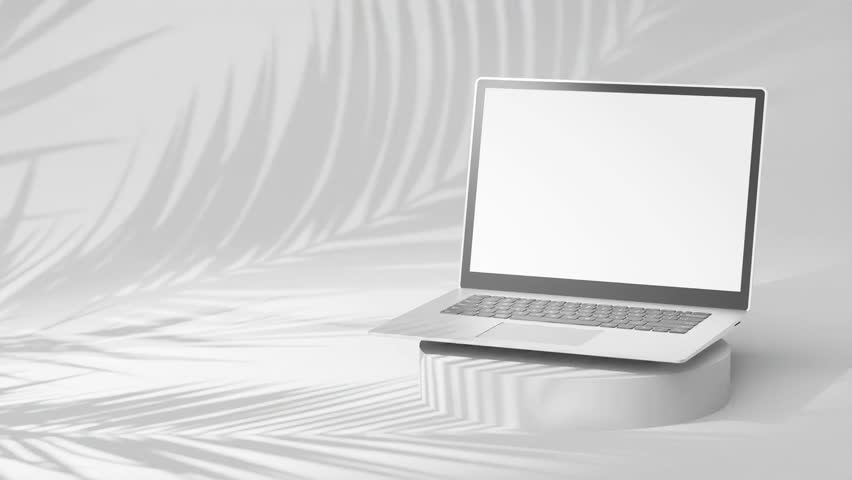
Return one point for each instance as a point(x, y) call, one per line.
point(618, 187)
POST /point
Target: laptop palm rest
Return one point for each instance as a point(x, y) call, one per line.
point(513, 332)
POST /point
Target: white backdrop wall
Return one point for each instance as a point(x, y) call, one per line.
point(205, 204)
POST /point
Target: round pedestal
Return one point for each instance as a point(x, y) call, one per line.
point(551, 392)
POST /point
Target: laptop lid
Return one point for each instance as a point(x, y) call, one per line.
point(619, 191)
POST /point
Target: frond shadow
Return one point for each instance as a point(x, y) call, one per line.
point(371, 159)
point(225, 431)
point(13, 15)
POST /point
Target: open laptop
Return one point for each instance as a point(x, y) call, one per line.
point(603, 219)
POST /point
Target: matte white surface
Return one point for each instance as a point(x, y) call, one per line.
point(554, 393)
point(627, 188)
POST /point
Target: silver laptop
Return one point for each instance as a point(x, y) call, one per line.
point(603, 219)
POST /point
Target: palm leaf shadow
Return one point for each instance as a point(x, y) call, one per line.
point(232, 323)
point(373, 429)
point(16, 21)
point(224, 213)
point(273, 229)
point(42, 87)
point(218, 431)
point(14, 14)
point(24, 155)
point(357, 165)
point(28, 255)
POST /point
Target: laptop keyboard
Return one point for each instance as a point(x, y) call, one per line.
point(574, 313)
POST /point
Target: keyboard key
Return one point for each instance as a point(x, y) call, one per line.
point(673, 325)
point(534, 318)
point(660, 329)
point(580, 322)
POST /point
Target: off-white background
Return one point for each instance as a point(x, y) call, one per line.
point(613, 187)
point(205, 204)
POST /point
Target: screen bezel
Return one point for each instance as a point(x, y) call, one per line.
point(610, 290)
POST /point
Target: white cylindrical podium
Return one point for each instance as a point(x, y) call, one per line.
point(547, 392)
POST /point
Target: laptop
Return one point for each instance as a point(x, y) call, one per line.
point(603, 219)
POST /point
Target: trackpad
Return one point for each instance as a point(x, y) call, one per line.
point(513, 332)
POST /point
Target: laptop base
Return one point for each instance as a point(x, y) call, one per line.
point(429, 322)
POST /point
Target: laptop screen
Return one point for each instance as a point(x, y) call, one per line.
point(631, 188)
